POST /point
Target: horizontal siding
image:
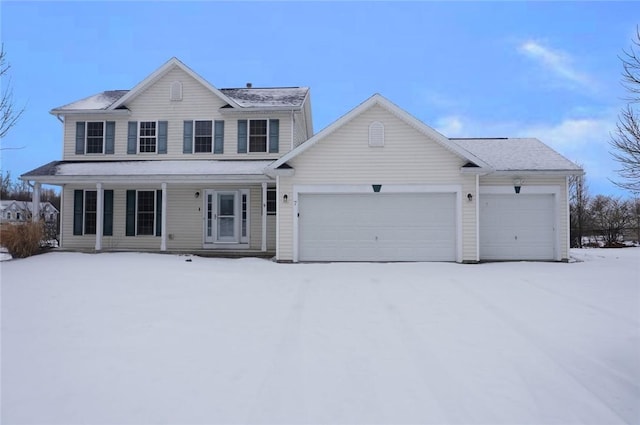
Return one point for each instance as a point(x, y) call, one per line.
point(408, 157)
point(563, 208)
point(154, 105)
point(185, 220)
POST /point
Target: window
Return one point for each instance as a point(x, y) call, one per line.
point(18, 216)
point(203, 136)
point(90, 211)
point(145, 216)
point(95, 137)
point(147, 138)
point(258, 131)
point(9, 216)
point(271, 201)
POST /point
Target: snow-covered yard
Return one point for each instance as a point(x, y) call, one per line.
point(144, 339)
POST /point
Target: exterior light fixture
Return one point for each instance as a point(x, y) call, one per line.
point(196, 195)
point(285, 198)
point(517, 185)
point(469, 197)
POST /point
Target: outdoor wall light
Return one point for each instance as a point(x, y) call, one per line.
point(285, 198)
point(517, 185)
point(469, 197)
point(196, 195)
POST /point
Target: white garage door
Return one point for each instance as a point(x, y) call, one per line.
point(377, 227)
point(517, 227)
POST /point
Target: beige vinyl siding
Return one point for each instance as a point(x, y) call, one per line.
point(408, 157)
point(185, 220)
point(154, 105)
point(562, 210)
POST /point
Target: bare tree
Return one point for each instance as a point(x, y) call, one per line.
point(634, 222)
point(9, 115)
point(579, 209)
point(626, 139)
point(611, 216)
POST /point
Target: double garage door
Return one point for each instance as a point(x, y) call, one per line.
point(517, 227)
point(377, 227)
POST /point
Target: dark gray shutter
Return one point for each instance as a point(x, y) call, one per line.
point(107, 226)
point(132, 138)
point(218, 138)
point(187, 140)
point(78, 209)
point(162, 137)
point(242, 136)
point(131, 213)
point(158, 213)
point(274, 136)
point(110, 135)
point(80, 138)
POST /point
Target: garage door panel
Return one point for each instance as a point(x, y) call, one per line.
point(517, 227)
point(377, 227)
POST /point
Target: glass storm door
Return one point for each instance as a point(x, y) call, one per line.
point(222, 222)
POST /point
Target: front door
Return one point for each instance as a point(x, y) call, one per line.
point(222, 219)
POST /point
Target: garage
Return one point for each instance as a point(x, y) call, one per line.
point(377, 227)
point(517, 227)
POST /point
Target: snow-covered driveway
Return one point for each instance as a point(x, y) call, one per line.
point(144, 339)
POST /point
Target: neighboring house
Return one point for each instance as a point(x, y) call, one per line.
point(177, 165)
point(12, 211)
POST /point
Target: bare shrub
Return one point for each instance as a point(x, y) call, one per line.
point(22, 240)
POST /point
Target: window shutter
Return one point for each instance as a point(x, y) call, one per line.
point(158, 213)
point(78, 207)
point(242, 136)
point(187, 145)
point(107, 226)
point(162, 137)
point(218, 139)
point(80, 138)
point(131, 213)
point(132, 138)
point(110, 134)
point(274, 136)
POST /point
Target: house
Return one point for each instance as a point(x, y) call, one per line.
point(12, 211)
point(175, 164)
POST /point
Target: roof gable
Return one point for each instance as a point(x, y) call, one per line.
point(159, 73)
point(404, 116)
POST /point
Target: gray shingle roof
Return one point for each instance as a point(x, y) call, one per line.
point(270, 96)
point(515, 154)
point(246, 98)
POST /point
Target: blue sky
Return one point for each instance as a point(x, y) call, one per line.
point(506, 69)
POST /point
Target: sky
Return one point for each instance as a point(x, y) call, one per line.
point(549, 70)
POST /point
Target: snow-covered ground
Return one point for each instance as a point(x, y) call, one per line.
point(143, 339)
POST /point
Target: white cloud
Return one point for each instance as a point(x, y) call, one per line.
point(556, 61)
point(450, 126)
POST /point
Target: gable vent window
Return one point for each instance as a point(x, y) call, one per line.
point(175, 92)
point(376, 134)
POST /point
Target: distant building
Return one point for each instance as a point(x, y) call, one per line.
point(12, 211)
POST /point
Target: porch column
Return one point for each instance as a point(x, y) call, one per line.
point(99, 215)
point(264, 217)
point(163, 231)
point(35, 205)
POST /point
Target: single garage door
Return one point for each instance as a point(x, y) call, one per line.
point(517, 227)
point(377, 227)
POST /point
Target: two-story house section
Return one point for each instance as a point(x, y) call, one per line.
point(174, 164)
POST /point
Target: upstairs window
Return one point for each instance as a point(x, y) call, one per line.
point(258, 132)
point(147, 136)
point(95, 137)
point(203, 136)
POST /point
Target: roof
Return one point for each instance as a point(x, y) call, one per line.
point(268, 96)
point(517, 154)
point(169, 170)
point(6, 203)
point(235, 97)
point(100, 101)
